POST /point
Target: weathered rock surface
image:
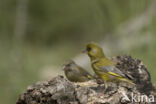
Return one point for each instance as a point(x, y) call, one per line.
point(61, 91)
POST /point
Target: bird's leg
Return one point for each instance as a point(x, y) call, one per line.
point(106, 85)
point(117, 84)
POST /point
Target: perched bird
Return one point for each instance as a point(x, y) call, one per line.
point(75, 73)
point(104, 67)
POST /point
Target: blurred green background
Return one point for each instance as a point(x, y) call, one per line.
point(36, 37)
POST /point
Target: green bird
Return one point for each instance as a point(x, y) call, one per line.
point(104, 67)
point(75, 73)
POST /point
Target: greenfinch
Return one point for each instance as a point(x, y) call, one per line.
point(75, 73)
point(104, 67)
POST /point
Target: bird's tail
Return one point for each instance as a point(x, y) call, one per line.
point(127, 80)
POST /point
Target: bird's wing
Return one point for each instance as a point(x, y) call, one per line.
point(112, 70)
point(85, 73)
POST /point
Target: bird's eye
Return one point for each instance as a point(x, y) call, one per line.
point(88, 49)
point(68, 65)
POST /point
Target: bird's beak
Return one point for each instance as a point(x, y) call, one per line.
point(84, 51)
point(63, 67)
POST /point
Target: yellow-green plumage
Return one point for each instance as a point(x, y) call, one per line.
point(103, 67)
point(75, 73)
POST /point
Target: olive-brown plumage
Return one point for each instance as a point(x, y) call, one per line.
point(75, 73)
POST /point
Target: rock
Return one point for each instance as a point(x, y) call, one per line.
point(60, 91)
point(136, 71)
